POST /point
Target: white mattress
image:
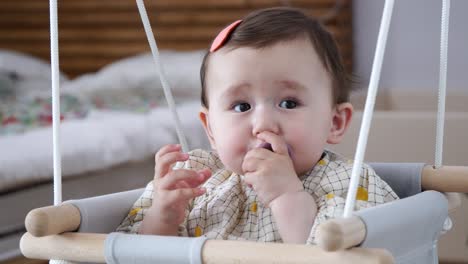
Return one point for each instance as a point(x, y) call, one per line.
point(102, 140)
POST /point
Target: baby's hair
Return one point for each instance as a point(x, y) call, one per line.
point(266, 27)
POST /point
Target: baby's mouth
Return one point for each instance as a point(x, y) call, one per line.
point(266, 145)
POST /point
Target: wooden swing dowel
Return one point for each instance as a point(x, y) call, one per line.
point(83, 247)
point(80, 247)
point(229, 251)
point(445, 179)
point(52, 220)
point(340, 233)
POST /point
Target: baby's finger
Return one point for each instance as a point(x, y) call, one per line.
point(185, 194)
point(164, 163)
point(277, 143)
point(250, 179)
point(205, 175)
point(258, 153)
point(166, 149)
point(193, 182)
point(250, 164)
point(170, 181)
point(182, 185)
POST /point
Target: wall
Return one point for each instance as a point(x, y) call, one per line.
point(94, 33)
point(412, 56)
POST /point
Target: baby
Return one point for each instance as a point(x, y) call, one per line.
point(274, 93)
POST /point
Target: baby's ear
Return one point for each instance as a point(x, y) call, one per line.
point(204, 118)
point(340, 122)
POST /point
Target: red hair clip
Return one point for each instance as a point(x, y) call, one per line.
point(223, 35)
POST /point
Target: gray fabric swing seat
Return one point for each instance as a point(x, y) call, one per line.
point(408, 228)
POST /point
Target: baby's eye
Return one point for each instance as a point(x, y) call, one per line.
point(288, 104)
point(241, 107)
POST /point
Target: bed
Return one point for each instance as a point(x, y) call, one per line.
point(113, 123)
point(114, 115)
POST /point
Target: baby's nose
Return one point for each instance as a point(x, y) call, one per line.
point(265, 120)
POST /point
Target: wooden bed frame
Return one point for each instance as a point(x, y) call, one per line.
point(93, 33)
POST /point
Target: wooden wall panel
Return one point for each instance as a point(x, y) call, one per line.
point(93, 33)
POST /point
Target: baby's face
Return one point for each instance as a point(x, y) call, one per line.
point(282, 89)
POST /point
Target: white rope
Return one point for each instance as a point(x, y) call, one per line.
point(369, 107)
point(442, 82)
point(54, 62)
point(165, 84)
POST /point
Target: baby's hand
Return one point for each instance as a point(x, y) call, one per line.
point(173, 189)
point(271, 173)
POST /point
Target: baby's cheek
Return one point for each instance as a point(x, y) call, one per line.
point(298, 130)
point(233, 136)
point(232, 155)
point(232, 162)
point(306, 149)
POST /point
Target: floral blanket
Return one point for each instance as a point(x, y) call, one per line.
point(18, 116)
point(24, 114)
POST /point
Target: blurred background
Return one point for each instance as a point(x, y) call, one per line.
point(114, 112)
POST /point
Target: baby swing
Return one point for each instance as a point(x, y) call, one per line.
point(69, 231)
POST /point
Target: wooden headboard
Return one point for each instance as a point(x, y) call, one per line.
point(93, 33)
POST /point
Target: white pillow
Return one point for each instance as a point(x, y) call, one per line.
point(25, 74)
point(139, 74)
